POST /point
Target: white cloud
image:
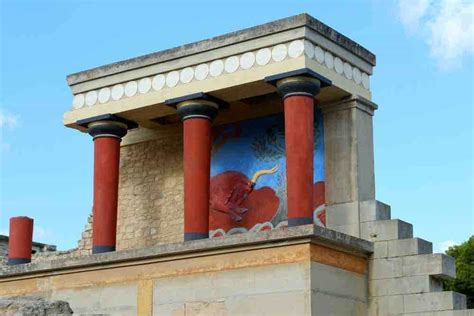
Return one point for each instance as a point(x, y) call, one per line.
point(443, 246)
point(447, 26)
point(8, 119)
point(411, 12)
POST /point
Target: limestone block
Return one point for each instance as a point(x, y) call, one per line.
point(439, 265)
point(438, 301)
point(409, 247)
point(117, 299)
point(351, 229)
point(465, 312)
point(323, 304)
point(386, 305)
point(373, 210)
point(386, 230)
point(338, 282)
point(380, 249)
point(384, 268)
point(342, 214)
point(405, 285)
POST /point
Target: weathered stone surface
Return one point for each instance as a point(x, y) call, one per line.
point(428, 302)
point(405, 285)
point(386, 230)
point(317, 234)
point(29, 305)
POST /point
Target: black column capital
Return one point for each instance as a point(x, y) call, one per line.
point(298, 82)
point(196, 105)
point(107, 125)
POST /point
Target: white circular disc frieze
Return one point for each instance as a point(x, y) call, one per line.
point(338, 65)
point(263, 56)
point(186, 75)
point(172, 79)
point(247, 60)
point(201, 71)
point(329, 60)
point(348, 71)
point(216, 68)
point(158, 82)
point(365, 81)
point(356, 75)
point(319, 54)
point(131, 88)
point(309, 49)
point(231, 64)
point(279, 52)
point(104, 95)
point(144, 85)
point(117, 92)
point(91, 98)
point(78, 101)
point(296, 49)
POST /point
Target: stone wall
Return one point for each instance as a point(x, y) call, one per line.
point(150, 210)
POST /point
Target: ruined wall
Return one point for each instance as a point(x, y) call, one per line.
point(150, 210)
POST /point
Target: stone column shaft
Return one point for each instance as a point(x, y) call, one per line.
point(349, 163)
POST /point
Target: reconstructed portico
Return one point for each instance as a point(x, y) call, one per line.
point(235, 175)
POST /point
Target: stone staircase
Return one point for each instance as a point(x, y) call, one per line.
point(405, 277)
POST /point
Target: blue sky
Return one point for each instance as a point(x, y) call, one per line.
point(422, 83)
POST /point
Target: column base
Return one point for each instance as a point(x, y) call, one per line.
point(102, 249)
point(13, 261)
point(298, 221)
point(195, 236)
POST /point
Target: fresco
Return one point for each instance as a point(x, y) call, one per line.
point(248, 185)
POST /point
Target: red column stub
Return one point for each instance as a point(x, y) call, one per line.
point(196, 115)
point(20, 241)
point(298, 98)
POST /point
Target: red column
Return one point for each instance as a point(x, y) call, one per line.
point(299, 122)
point(196, 111)
point(197, 164)
point(106, 179)
point(298, 88)
point(20, 240)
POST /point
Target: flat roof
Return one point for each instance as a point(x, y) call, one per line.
point(225, 40)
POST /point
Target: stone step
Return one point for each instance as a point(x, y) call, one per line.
point(430, 302)
point(413, 304)
point(402, 247)
point(405, 285)
point(436, 265)
point(386, 230)
point(373, 210)
point(464, 312)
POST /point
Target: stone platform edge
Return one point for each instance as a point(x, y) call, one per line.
point(274, 238)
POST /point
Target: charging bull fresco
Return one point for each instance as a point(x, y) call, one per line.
point(248, 185)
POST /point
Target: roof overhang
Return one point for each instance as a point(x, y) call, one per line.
point(230, 67)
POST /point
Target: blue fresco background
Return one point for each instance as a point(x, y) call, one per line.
point(261, 145)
